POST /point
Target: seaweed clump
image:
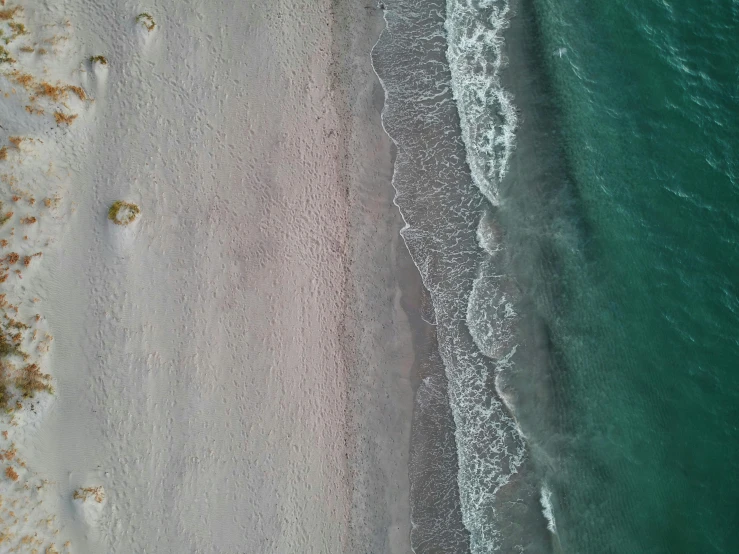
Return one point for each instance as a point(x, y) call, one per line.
point(123, 213)
point(147, 21)
point(18, 29)
point(26, 378)
point(30, 380)
point(8, 13)
point(97, 493)
point(5, 56)
point(62, 118)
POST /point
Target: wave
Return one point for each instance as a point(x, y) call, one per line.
point(547, 510)
point(491, 314)
point(486, 109)
point(475, 52)
point(454, 129)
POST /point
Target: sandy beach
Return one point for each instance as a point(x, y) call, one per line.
point(232, 370)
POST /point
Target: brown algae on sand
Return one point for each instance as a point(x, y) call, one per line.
point(96, 493)
point(28, 380)
point(147, 21)
point(26, 385)
point(123, 213)
point(5, 56)
point(99, 59)
point(18, 29)
point(62, 118)
point(8, 13)
point(21, 373)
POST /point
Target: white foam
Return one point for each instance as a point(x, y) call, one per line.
point(547, 510)
point(490, 449)
point(489, 236)
point(486, 110)
point(491, 316)
point(488, 120)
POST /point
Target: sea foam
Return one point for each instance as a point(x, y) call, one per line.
point(546, 508)
point(488, 123)
point(447, 178)
point(486, 110)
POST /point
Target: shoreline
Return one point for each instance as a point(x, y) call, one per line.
point(435, 511)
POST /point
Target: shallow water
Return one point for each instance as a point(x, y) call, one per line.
point(450, 233)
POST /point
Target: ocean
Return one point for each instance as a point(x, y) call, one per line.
point(568, 177)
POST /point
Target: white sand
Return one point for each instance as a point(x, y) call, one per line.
point(233, 366)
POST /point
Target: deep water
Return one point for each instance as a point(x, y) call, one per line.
point(648, 93)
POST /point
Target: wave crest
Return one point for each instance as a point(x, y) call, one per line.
point(486, 110)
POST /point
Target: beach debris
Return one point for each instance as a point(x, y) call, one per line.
point(23, 79)
point(58, 92)
point(147, 21)
point(27, 262)
point(102, 60)
point(30, 380)
point(16, 29)
point(9, 453)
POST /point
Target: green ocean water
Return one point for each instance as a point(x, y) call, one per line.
point(649, 95)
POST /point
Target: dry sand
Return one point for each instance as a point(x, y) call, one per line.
point(233, 367)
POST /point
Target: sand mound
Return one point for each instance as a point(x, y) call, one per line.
point(88, 504)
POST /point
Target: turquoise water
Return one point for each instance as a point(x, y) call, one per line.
point(649, 97)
